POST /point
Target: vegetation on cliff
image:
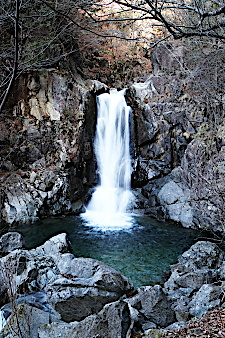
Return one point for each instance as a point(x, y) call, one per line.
point(97, 37)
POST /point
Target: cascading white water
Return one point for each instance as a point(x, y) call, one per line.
point(112, 198)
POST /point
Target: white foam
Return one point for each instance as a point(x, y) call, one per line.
point(112, 198)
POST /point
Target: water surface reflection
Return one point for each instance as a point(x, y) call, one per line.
point(142, 253)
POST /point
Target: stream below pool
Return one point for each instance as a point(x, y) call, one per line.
point(142, 253)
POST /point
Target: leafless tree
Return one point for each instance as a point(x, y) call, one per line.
point(36, 34)
point(184, 18)
point(40, 33)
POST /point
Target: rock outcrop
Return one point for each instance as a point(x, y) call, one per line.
point(46, 293)
point(50, 279)
point(178, 140)
point(46, 155)
point(196, 284)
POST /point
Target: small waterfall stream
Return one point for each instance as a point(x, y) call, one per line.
point(112, 198)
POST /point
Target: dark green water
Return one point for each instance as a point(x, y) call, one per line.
point(142, 253)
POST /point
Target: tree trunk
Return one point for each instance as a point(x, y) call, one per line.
point(16, 54)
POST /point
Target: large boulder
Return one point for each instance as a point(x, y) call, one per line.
point(74, 287)
point(84, 287)
point(190, 288)
point(207, 298)
point(54, 247)
point(23, 271)
point(25, 321)
point(152, 306)
point(9, 242)
point(112, 321)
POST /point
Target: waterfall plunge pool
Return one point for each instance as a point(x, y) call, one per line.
point(141, 248)
point(142, 253)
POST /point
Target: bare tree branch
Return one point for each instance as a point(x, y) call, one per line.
point(16, 54)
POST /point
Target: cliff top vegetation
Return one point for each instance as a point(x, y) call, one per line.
point(98, 39)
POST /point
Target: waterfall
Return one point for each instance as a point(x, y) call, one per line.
point(112, 198)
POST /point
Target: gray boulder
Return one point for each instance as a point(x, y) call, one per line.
point(54, 247)
point(199, 265)
point(203, 254)
point(152, 306)
point(23, 271)
point(9, 242)
point(190, 287)
point(112, 321)
point(207, 298)
point(25, 321)
point(84, 287)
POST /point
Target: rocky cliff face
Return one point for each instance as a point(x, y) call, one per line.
point(178, 133)
point(46, 138)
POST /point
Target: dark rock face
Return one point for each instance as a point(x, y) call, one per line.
point(46, 154)
point(179, 148)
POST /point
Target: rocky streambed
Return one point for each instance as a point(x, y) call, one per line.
point(48, 292)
